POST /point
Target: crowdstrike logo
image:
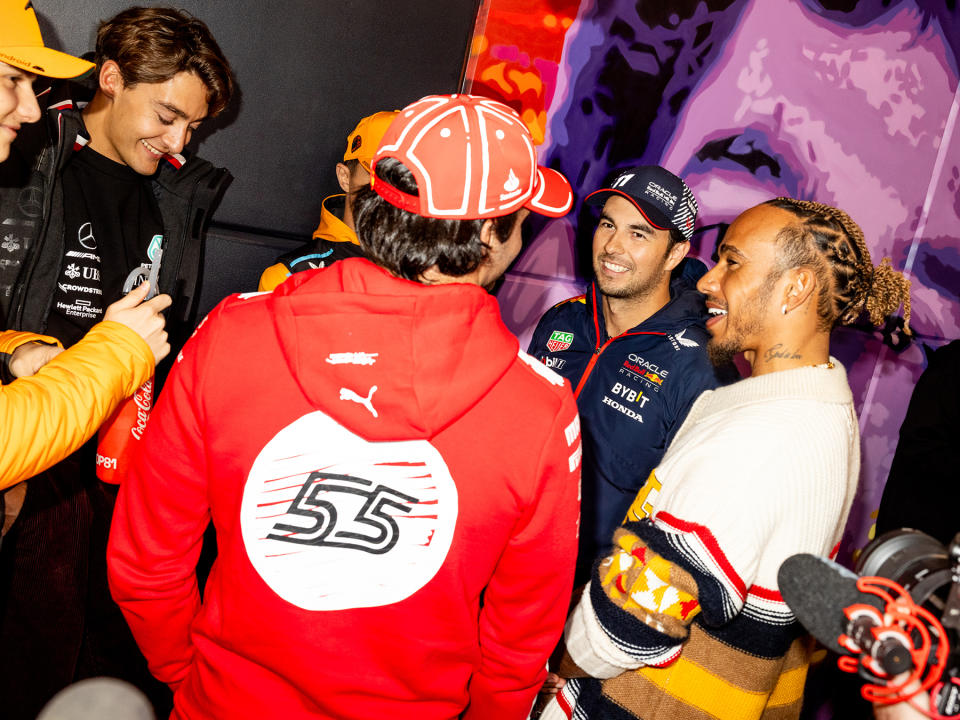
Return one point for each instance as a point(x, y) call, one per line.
point(66, 287)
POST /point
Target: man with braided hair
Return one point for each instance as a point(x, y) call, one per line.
point(685, 619)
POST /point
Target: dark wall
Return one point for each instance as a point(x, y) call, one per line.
point(307, 70)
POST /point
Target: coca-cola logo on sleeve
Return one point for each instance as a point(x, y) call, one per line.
point(143, 399)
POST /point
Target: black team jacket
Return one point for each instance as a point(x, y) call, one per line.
point(187, 190)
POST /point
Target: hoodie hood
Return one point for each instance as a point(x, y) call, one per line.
point(388, 358)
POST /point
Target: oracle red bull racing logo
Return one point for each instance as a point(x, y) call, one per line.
point(639, 369)
point(331, 521)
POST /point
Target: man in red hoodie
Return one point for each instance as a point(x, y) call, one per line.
point(394, 483)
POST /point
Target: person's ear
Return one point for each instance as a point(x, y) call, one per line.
point(111, 79)
point(343, 177)
point(800, 285)
point(677, 253)
point(488, 236)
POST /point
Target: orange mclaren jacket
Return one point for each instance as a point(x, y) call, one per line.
point(45, 417)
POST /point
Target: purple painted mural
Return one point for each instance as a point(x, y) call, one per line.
point(850, 103)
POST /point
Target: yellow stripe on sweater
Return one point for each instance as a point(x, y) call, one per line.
point(692, 685)
point(789, 687)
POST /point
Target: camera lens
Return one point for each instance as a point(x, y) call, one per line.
point(912, 559)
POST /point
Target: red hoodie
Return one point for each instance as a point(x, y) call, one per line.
point(394, 488)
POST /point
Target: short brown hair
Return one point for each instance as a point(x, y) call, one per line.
point(408, 244)
point(151, 45)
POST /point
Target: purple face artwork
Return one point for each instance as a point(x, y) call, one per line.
point(853, 104)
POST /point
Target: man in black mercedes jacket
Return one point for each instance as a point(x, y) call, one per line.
point(101, 190)
point(633, 347)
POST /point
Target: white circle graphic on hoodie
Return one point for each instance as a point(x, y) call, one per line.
point(331, 521)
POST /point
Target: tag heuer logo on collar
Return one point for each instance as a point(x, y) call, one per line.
point(559, 340)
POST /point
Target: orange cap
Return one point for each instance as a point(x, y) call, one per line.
point(21, 44)
point(363, 141)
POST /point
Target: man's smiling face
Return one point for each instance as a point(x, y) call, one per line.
point(149, 120)
point(629, 255)
point(739, 288)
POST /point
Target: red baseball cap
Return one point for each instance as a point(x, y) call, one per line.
point(472, 158)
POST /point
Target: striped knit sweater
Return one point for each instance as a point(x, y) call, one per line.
point(684, 620)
